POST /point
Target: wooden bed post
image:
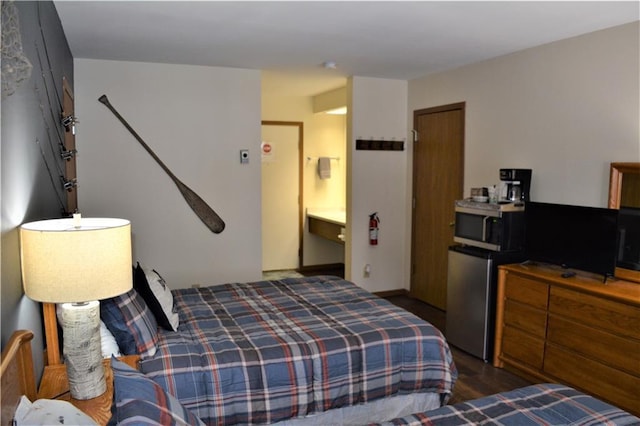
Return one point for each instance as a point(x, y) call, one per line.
point(51, 333)
point(16, 374)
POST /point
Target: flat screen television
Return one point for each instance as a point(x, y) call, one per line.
point(576, 237)
point(629, 238)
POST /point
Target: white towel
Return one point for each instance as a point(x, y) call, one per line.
point(324, 167)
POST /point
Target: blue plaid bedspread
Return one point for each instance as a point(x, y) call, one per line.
point(272, 350)
point(544, 404)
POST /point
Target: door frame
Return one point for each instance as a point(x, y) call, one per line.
point(417, 113)
point(300, 126)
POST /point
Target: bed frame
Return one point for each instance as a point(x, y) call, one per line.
point(17, 375)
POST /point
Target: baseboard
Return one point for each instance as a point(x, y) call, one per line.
point(329, 267)
point(316, 268)
point(391, 293)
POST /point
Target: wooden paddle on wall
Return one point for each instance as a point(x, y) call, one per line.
point(197, 204)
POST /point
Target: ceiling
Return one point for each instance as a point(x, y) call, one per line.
point(290, 40)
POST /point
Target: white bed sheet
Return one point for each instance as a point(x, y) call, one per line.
point(371, 412)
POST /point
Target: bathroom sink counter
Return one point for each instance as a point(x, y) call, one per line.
point(327, 223)
point(335, 216)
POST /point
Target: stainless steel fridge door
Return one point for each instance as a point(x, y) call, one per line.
point(468, 303)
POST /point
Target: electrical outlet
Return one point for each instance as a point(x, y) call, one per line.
point(244, 156)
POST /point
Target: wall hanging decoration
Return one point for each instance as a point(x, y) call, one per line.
point(197, 204)
point(50, 113)
point(52, 179)
point(16, 68)
point(58, 155)
point(379, 145)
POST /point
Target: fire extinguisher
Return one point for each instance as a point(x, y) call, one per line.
point(374, 220)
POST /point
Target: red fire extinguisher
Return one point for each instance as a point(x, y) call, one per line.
point(374, 220)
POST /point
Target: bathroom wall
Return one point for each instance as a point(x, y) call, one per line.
point(324, 135)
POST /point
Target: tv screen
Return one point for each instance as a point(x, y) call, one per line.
point(583, 238)
point(629, 238)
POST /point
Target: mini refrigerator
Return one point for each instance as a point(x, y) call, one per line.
point(471, 297)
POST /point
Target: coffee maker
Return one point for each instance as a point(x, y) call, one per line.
point(516, 184)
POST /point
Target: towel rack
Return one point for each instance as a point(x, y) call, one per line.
point(331, 158)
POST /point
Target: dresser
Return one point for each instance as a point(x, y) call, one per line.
point(576, 330)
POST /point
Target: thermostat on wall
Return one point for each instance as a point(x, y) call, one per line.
point(244, 156)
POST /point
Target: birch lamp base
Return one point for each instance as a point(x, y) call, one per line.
point(81, 349)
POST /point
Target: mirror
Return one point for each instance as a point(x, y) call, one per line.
point(624, 193)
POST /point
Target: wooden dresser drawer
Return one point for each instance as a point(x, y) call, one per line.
point(593, 377)
point(609, 349)
point(522, 347)
point(604, 314)
point(525, 317)
point(576, 331)
point(526, 290)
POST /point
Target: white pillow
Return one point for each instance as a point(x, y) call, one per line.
point(108, 343)
point(49, 412)
point(163, 294)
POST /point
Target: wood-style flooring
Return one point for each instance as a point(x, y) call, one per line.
point(475, 377)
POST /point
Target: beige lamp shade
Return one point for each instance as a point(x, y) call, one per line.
point(76, 260)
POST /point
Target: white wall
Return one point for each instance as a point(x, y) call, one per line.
point(196, 119)
point(376, 182)
point(565, 109)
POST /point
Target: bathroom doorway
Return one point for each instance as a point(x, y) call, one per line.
point(281, 159)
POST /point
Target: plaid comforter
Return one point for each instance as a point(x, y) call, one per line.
point(272, 350)
point(545, 404)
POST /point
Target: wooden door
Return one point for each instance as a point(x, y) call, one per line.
point(282, 195)
point(438, 170)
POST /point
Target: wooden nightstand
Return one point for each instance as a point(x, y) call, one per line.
point(54, 384)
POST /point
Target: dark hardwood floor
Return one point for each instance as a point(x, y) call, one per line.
point(475, 377)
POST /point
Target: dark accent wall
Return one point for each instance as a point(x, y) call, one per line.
point(30, 162)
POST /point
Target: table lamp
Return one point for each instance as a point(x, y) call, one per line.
point(76, 262)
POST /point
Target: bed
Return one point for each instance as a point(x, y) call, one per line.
point(538, 404)
point(314, 350)
point(317, 348)
point(542, 404)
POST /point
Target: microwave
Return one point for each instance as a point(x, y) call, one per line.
point(496, 227)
